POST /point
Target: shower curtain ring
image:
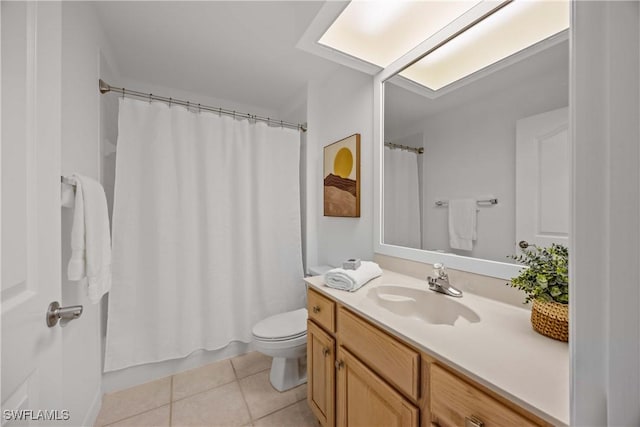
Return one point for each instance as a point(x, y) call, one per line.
point(150, 97)
point(188, 105)
point(281, 124)
point(199, 109)
point(170, 101)
point(123, 92)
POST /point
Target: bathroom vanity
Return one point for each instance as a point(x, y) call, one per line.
point(395, 353)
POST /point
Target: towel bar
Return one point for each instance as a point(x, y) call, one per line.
point(69, 181)
point(489, 201)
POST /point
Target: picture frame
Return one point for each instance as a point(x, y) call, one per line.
point(341, 173)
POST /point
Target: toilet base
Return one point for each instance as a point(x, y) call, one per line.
point(288, 373)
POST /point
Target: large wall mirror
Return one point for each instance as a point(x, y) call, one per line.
point(473, 165)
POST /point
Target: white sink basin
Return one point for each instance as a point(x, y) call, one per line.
point(428, 306)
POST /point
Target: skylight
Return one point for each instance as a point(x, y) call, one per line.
point(381, 31)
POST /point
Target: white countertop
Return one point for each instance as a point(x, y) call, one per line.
point(501, 351)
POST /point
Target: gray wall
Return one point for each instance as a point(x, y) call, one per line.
point(337, 107)
point(85, 57)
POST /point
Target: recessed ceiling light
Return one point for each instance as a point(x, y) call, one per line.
point(515, 27)
point(381, 31)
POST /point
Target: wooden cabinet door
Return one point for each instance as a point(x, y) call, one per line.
point(321, 374)
point(365, 400)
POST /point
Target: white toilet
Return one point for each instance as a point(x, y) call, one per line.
point(284, 337)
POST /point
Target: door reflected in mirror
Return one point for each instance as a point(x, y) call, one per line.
point(499, 135)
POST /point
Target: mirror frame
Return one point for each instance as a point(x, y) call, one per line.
point(484, 267)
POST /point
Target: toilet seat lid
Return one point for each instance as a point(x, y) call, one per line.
point(282, 326)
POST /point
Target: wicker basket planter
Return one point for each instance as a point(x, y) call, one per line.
point(551, 319)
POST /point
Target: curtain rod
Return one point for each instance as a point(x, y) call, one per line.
point(104, 87)
point(404, 147)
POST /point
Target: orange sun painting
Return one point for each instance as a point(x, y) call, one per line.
point(342, 178)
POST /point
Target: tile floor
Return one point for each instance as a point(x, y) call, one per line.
point(232, 392)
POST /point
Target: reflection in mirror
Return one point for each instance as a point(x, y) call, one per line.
point(500, 134)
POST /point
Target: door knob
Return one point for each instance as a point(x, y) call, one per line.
point(316, 309)
point(55, 313)
point(339, 364)
point(326, 351)
point(524, 244)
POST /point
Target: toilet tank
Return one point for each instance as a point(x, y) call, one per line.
point(316, 270)
point(319, 269)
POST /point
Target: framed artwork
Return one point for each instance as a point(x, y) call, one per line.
point(342, 178)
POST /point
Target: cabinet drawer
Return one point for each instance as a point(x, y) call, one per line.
point(322, 310)
point(454, 401)
point(389, 358)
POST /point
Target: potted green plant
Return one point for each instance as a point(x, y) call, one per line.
point(546, 283)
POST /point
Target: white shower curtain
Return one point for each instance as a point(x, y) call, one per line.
point(401, 199)
point(206, 231)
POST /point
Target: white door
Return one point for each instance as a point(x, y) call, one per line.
point(30, 209)
point(543, 169)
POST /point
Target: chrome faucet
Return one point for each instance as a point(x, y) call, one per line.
point(440, 283)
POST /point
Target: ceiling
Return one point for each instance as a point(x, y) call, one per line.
point(242, 51)
point(245, 52)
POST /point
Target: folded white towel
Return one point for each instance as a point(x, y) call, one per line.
point(462, 223)
point(352, 280)
point(90, 239)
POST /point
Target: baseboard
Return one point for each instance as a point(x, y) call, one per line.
point(94, 409)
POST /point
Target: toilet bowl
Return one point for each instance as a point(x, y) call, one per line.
point(284, 337)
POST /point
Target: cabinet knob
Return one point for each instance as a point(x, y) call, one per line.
point(339, 364)
point(473, 421)
point(326, 351)
point(316, 309)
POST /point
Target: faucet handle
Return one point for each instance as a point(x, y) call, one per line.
point(439, 270)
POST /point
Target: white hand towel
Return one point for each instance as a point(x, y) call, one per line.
point(90, 239)
point(352, 280)
point(462, 223)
